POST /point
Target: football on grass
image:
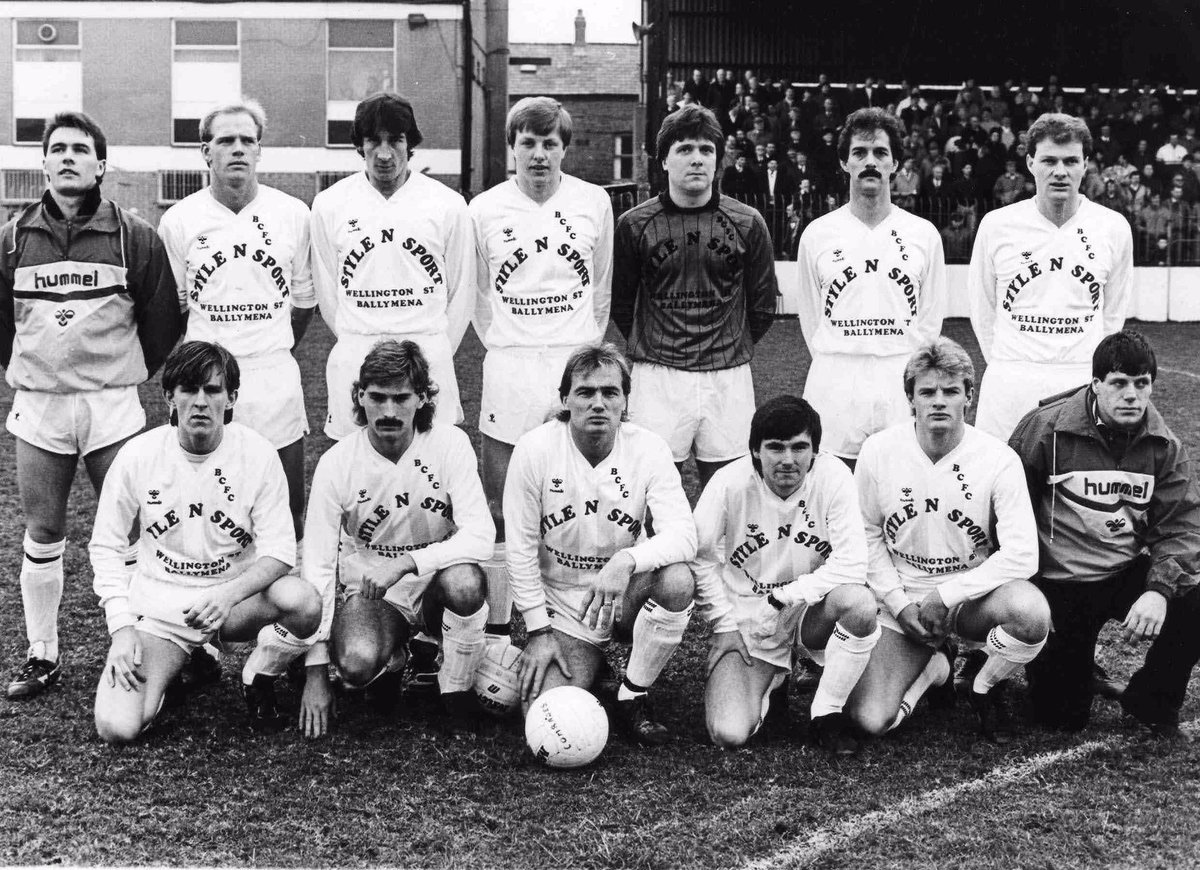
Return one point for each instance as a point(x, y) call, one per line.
point(497, 685)
point(566, 727)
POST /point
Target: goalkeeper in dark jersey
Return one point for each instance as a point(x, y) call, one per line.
point(693, 290)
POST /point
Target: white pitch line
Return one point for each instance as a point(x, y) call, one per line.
point(826, 839)
point(1186, 374)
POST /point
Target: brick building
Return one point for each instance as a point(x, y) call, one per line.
point(598, 83)
point(147, 71)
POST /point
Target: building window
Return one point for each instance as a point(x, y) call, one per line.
point(21, 185)
point(47, 75)
point(362, 61)
point(623, 157)
point(206, 70)
point(175, 184)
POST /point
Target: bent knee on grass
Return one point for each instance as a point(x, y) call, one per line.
point(462, 588)
point(297, 603)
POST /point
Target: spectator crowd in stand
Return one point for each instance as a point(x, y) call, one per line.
point(964, 152)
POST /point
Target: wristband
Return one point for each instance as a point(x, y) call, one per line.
point(775, 602)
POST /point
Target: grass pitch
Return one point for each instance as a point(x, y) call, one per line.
point(201, 790)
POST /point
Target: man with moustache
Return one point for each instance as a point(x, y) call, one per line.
point(872, 290)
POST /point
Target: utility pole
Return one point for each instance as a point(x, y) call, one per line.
point(464, 174)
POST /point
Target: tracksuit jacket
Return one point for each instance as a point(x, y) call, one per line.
point(1100, 495)
point(87, 303)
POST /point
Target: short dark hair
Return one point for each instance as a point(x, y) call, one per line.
point(192, 363)
point(871, 120)
point(391, 360)
point(540, 116)
point(1126, 351)
point(78, 121)
point(944, 355)
point(783, 418)
point(587, 359)
point(689, 122)
point(388, 112)
point(1061, 129)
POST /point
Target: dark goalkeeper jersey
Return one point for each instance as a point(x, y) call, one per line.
point(693, 288)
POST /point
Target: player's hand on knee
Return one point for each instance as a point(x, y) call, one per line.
point(723, 643)
point(377, 581)
point(933, 615)
point(1145, 618)
point(602, 605)
point(910, 621)
point(210, 610)
point(318, 705)
point(541, 650)
point(124, 664)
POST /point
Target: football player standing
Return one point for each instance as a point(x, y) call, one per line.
point(87, 312)
point(543, 240)
point(1049, 277)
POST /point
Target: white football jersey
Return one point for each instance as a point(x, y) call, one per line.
point(1043, 293)
point(751, 542)
point(544, 271)
point(393, 266)
point(564, 519)
point(429, 504)
point(204, 520)
point(872, 291)
point(963, 525)
point(239, 274)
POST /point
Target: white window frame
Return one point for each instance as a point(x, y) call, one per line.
point(341, 48)
point(234, 50)
point(619, 155)
point(17, 46)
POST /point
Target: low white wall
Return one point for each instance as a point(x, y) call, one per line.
point(1159, 293)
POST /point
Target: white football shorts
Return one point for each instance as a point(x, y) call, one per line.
point(1012, 388)
point(271, 399)
point(856, 396)
point(76, 424)
point(708, 410)
point(345, 360)
point(888, 621)
point(183, 636)
point(780, 648)
point(520, 387)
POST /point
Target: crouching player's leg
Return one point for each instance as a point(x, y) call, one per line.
point(654, 613)
point(456, 602)
point(1012, 622)
point(739, 686)
point(843, 627)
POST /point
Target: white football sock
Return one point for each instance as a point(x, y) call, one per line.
point(937, 671)
point(846, 657)
point(462, 649)
point(41, 593)
point(1005, 656)
point(657, 633)
point(276, 648)
point(499, 594)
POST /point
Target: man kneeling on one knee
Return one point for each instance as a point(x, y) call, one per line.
point(781, 568)
point(951, 542)
point(211, 501)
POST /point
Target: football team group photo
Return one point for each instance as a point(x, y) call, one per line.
point(516, 471)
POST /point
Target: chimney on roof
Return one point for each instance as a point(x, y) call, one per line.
point(580, 30)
